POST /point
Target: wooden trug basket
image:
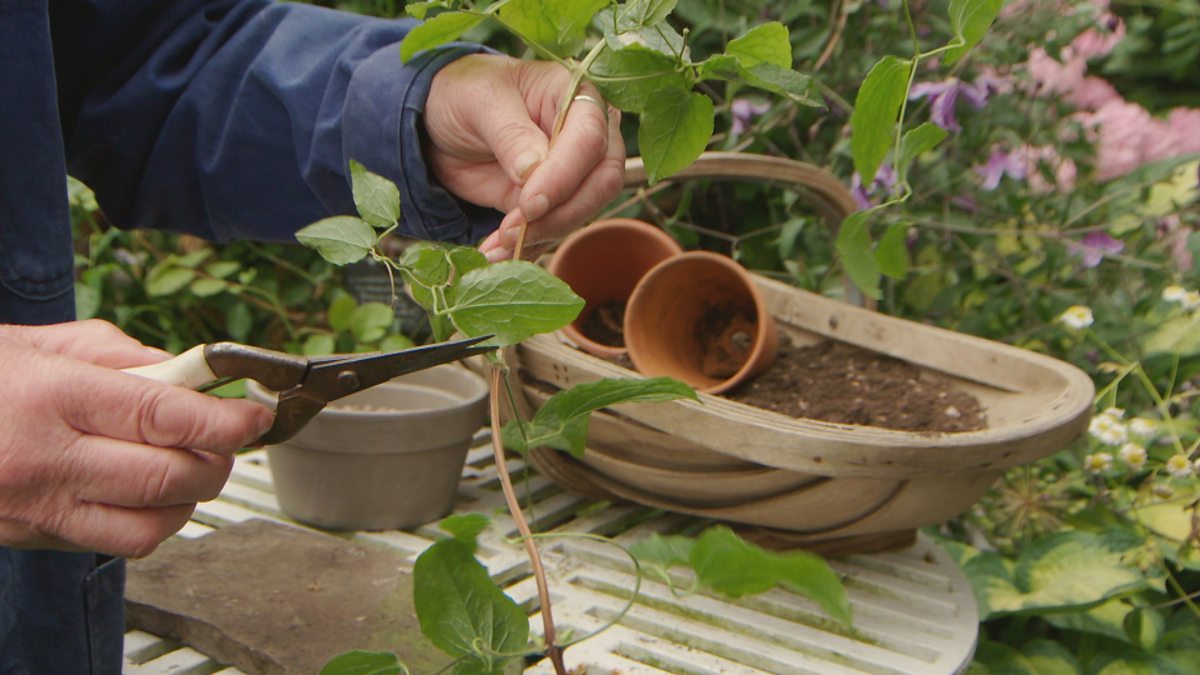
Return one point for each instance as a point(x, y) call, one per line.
point(836, 488)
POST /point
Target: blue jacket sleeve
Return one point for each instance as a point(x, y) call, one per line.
point(237, 118)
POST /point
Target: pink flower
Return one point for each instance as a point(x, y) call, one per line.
point(1092, 93)
point(1062, 168)
point(1051, 76)
point(1100, 39)
point(1095, 246)
point(1122, 135)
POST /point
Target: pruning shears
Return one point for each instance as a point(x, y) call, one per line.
point(306, 385)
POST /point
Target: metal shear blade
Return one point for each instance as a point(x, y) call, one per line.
point(307, 385)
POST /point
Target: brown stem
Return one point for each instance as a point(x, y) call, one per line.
point(553, 651)
point(834, 37)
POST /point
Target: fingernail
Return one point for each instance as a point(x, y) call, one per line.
point(497, 254)
point(509, 237)
point(539, 205)
point(525, 163)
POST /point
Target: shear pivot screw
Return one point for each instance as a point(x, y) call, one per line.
point(347, 380)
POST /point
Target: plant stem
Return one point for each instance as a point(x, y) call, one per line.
point(578, 72)
point(553, 651)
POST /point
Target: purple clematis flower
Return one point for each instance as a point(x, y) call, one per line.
point(885, 180)
point(744, 111)
point(998, 165)
point(944, 95)
point(1096, 245)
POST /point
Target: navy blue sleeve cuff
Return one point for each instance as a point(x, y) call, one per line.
point(382, 130)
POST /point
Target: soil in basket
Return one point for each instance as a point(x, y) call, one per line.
point(838, 382)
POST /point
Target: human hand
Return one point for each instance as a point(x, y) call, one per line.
point(489, 120)
point(98, 460)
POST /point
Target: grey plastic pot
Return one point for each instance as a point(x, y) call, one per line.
point(390, 457)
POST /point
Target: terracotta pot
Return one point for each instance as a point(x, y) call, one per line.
point(603, 263)
point(699, 318)
point(389, 457)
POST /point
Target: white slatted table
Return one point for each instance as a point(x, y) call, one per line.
point(913, 609)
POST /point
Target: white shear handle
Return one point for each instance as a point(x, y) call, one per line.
point(190, 369)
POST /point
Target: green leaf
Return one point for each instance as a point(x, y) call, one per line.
point(376, 198)
point(644, 13)
point(466, 527)
point(1050, 658)
point(341, 239)
point(727, 564)
point(891, 254)
point(87, 301)
point(873, 124)
point(854, 248)
point(207, 287)
point(765, 76)
point(765, 43)
point(659, 554)
point(1000, 659)
point(661, 38)
point(970, 20)
point(556, 26)
point(361, 662)
point(222, 268)
point(562, 422)
point(396, 342)
point(370, 321)
point(418, 10)
point(436, 32)
point(630, 76)
point(341, 310)
point(512, 300)
point(166, 279)
point(1178, 335)
point(239, 322)
point(460, 609)
point(1073, 569)
point(1110, 619)
point(917, 142)
point(192, 260)
point(675, 128)
point(318, 344)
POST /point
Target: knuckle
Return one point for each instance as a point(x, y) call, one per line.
point(157, 423)
point(610, 178)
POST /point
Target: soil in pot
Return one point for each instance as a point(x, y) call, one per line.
point(837, 382)
point(604, 324)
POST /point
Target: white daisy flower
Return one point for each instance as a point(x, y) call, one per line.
point(1133, 455)
point(1191, 300)
point(1115, 412)
point(1179, 466)
point(1098, 462)
point(1162, 491)
point(1108, 429)
point(1174, 293)
point(1143, 427)
point(1077, 317)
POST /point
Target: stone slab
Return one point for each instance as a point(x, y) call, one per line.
point(276, 599)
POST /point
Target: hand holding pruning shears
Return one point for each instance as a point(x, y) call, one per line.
point(97, 459)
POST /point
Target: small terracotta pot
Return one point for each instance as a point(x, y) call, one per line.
point(603, 263)
point(699, 318)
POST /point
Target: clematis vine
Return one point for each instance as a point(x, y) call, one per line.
point(885, 181)
point(944, 95)
point(744, 111)
point(1095, 246)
